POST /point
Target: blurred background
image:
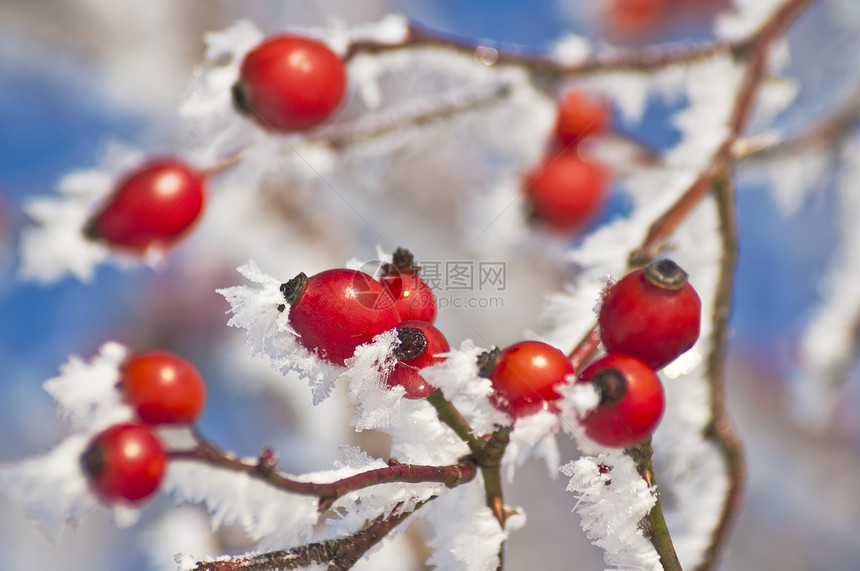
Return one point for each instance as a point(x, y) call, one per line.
point(76, 73)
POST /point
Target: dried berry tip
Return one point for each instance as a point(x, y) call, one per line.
point(93, 461)
point(666, 274)
point(487, 362)
point(91, 230)
point(294, 288)
point(413, 344)
point(611, 385)
point(401, 261)
point(240, 98)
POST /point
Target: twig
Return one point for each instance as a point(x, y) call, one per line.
point(449, 414)
point(340, 553)
point(263, 469)
point(654, 524)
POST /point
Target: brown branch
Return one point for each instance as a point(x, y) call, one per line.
point(263, 469)
point(653, 525)
point(641, 60)
point(719, 430)
point(340, 553)
point(585, 350)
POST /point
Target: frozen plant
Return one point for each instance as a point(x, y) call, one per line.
point(342, 139)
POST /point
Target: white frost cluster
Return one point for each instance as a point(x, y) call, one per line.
point(255, 308)
point(612, 498)
point(51, 487)
point(746, 19)
point(56, 246)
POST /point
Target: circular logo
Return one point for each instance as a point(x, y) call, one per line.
point(377, 285)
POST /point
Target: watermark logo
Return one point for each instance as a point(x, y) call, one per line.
point(459, 284)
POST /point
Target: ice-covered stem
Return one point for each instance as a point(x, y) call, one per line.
point(340, 553)
point(339, 136)
point(638, 60)
point(654, 524)
point(263, 468)
point(828, 132)
point(755, 53)
point(449, 414)
point(719, 430)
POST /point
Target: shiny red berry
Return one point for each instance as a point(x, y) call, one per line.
point(414, 298)
point(525, 376)
point(631, 401)
point(653, 314)
point(124, 463)
point(580, 115)
point(567, 192)
point(290, 83)
point(420, 345)
point(335, 311)
point(163, 388)
point(153, 206)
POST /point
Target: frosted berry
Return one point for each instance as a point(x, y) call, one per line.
point(335, 311)
point(651, 313)
point(124, 463)
point(290, 83)
point(153, 206)
point(163, 388)
point(580, 115)
point(567, 192)
point(525, 376)
point(631, 401)
point(414, 298)
point(420, 345)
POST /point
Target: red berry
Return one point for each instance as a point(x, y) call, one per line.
point(290, 83)
point(124, 462)
point(567, 192)
point(335, 311)
point(163, 388)
point(653, 314)
point(579, 116)
point(631, 401)
point(525, 376)
point(637, 20)
point(420, 346)
point(154, 205)
point(415, 299)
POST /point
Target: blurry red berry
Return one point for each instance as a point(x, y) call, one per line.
point(290, 83)
point(631, 402)
point(154, 205)
point(124, 463)
point(163, 388)
point(335, 311)
point(414, 298)
point(525, 376)
point(567, 192)
point(653, 314)
point(580, 115)
point(420, 346)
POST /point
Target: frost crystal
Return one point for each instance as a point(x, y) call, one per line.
point(51, 488)
point(86, 393)
point(57, 247)
point(612, 498)
point(255, 308)
point(367, 370)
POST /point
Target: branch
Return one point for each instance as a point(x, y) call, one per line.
point(654, 525)
point(263, 468)
point(340, 553)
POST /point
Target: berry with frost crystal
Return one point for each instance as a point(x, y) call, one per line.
point(652, 313)
point(290, 83)
point(525, 376)
point(420, 346)
point(631, 401)
point(124, 463)
point(580, 115)
point(567, 192)
point(415, 299)
point(153, 206)
point(335, 311)
point(163, 388)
